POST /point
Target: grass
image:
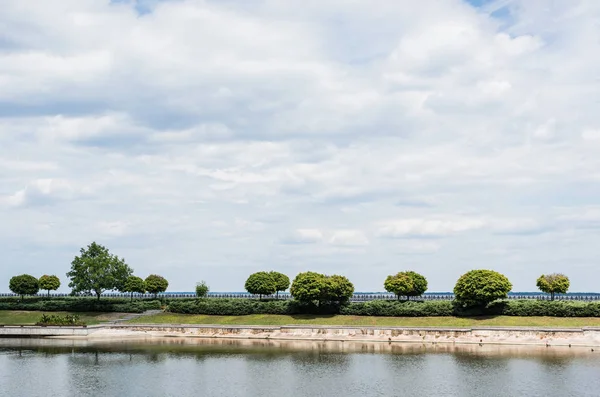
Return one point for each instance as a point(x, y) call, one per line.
point(18, 317)
point(267, 319)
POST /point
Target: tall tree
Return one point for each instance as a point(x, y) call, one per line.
point(49, 283)
point(24, 284)
point(555, 283)
point(97, 270)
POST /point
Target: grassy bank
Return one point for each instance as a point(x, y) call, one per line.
point(17, 317)
point(269, 319)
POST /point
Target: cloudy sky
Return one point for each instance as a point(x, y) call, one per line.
point(208, 139)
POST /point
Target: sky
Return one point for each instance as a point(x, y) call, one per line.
point(206, 140)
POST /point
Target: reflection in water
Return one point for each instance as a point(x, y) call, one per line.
point(217, 367)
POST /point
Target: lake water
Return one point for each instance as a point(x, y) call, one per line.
point(200, 367)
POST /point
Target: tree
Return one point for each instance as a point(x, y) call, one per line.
point(24, 285)
point(261, 283)
point(480, 287)
point(316, 287)
point(401, 284)
point(202, 289)
point(337, 289)
point(406, 284)
point(156, 284)
point(97, 270)
point(134, 284)
point(282, 282)
point(49, 283)
point(553, 283)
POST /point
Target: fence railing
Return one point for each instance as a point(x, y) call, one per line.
point(357, 297)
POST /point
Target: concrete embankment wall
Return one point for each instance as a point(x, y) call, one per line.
point(500, 335)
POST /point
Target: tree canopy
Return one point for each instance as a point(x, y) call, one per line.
point(282, 282)
point(261, 283)
point(49, 283)
point(553, 283)
point(316, 287)
point(24, 284)
point(407, 284)
point(480, 287)
point(97, 270)
point(134, 284)
point(156, 284)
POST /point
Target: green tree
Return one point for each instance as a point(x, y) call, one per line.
point(282, 282)
point(337, 289)
point(24, 285)
point(202, 289)
point(97, 270)
point(401, 284)
point(316, 287)
point(553, 283)
point(156, 284)
point(49, 283)
point(261, 283)
point(480, 287)
point(134, 284)
point(409, 284)
point(308, 286)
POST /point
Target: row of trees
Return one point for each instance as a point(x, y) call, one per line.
point(474, 288)
point(94, 271)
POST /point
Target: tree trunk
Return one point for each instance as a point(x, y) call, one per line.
point(48, 293)
point(277, 295)
point(398, 298)
point(132, 296)
point(98, 295)
point(551, 296)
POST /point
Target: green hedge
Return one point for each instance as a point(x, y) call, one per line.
point(81, 305)
point(526, 307)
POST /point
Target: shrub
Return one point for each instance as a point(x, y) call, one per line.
point(66, 320)
point(80, 305)
point(202, 289)
point(553, 283)
point(399, 309)
point(480, 287)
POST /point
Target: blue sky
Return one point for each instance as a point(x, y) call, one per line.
point(206, 140)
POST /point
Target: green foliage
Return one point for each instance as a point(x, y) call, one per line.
point(282, 282)
point(553, 283)
point(401, 284)
point(310, 287)
point(533, 307)
point(134, 284)
point(261, 283)
point(480, 287)
point(399, 309)
point(49, 283)
point(96, 270)
point(120, 305)
point(156, 284)
point(202, 289)
point(243, 307)
point(24, 284)
point(66, 320)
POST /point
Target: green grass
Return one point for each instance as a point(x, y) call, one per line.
point(267, 319)
point(17, 317)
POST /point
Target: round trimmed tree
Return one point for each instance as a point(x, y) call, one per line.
point(555, 283)
point(49, 283)
point(24, 284)
point(156, 284)
point(308, 286)
point(261, 283)
point(134, 284)
point(480, 287)
point(337, 289)
point(407, 284)
point(282, 282)
point(202, 289)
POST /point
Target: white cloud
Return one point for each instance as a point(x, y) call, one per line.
point(202, 135)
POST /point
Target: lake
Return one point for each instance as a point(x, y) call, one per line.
point(206, 367)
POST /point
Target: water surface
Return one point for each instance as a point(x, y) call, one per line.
point(204, 367)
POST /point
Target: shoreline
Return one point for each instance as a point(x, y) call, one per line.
point(516, 336)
